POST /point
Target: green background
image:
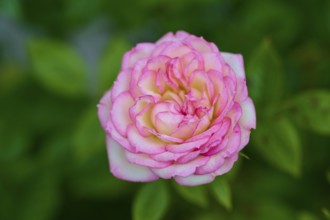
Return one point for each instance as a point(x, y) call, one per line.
point(57, 58)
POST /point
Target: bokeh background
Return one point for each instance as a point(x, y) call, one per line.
point(57, 58)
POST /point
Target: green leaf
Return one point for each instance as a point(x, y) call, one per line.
point(196, 195)
point(265, 75)
point(110, 62)
point(12, 144)
point(89, 139)
point(278, 142)
point(307, 216)
point(311, 110)
point(57, 67)
point(222, 192)
point(326, 213)
point(270, 210)
point(151, 202)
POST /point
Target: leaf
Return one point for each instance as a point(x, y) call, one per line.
point(307, 216)
point(265, 75)
point(151, 202)
point(222, 192)
point(57, 67)
point(41, 199)
point(110, 62)
point(270, 210)
point(278, 142)
point(89, 138)
point(311, 110)
point(12, 144)
point(326, 213)
point(196, 195)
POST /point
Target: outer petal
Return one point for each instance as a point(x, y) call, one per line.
point(120, 112)
point(122, 169)
point(121, 84)
point(229, 162)
point(194, 180)
point(236, 63)
point(104, 108)
point(248, 119)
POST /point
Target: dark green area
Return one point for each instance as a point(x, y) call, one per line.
point(57, 58)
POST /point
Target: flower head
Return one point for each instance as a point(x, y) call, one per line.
point(178, 109)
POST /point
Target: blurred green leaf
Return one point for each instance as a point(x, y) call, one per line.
point(89, 139)
point(11, 77)
point(151, 201)
point(222, 192)
point(311, 110)
point(278, 142)
point(209, 216)
point(12, 144)
point(196, 195)
point(328, 176)
point(41, 199)
point(265, 75)
point(110, 62)
point(270, 210)
point(326, 213)
point(58, 67)
point(307, 216)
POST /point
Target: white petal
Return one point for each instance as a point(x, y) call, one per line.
point(194, 180)
point(236, 63)
point(121, 168)
point(248, 119)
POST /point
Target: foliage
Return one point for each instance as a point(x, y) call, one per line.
point(57, 57)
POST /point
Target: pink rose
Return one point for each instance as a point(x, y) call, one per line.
point(178, 109)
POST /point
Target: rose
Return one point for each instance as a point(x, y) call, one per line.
point(178, 109)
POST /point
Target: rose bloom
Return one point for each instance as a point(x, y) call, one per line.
point(178, 109)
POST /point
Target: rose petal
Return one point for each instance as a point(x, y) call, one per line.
point(194, 180)
point(248, 119)
point(236, 63)
point(184, 170)
point(228, 164)
point(121, 168)
point(214, 163)
point(120, 112)
point(140, 51)
point(187, 146)
point(121, 84)
point(104, 108)
point(148, 145)
point(145, 160)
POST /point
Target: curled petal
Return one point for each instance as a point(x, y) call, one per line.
point(214, 163)
point(228, 164)
point(148, 145)
point(121, 168)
